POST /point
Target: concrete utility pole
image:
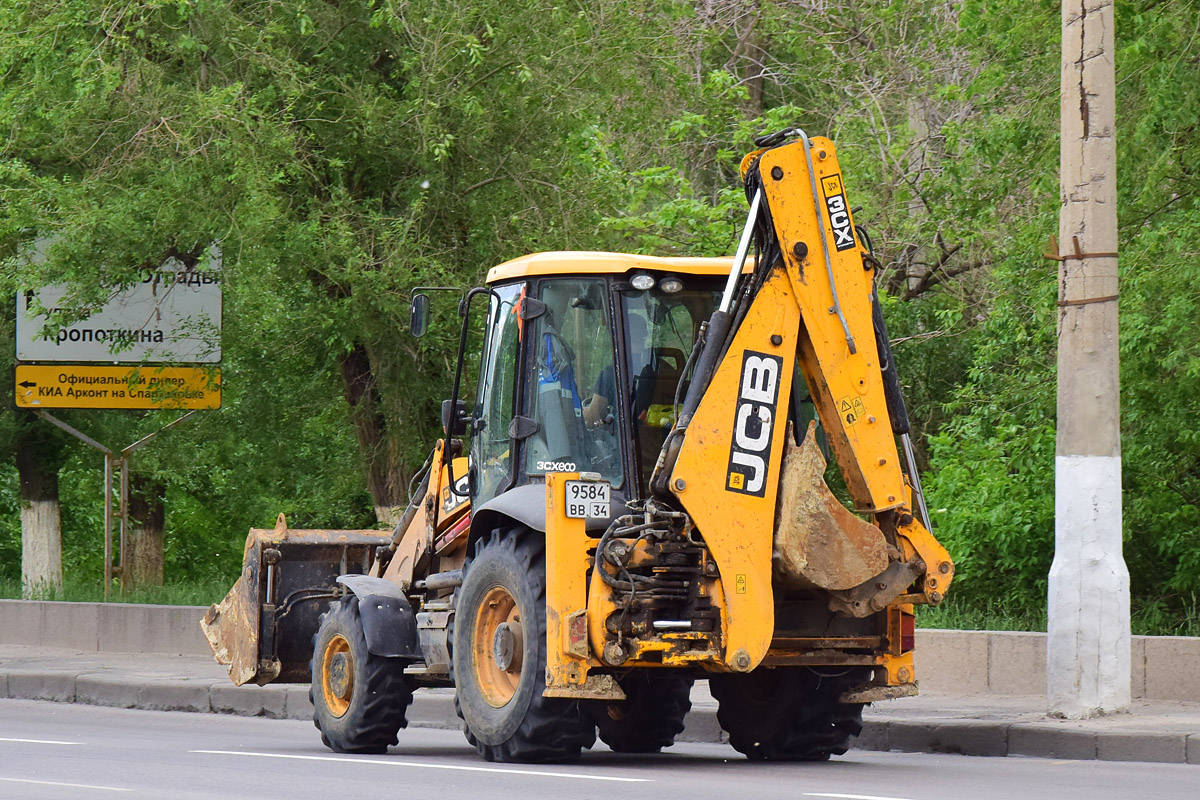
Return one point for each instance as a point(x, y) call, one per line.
point(1088, 657)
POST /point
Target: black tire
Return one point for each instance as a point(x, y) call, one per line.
point(650, 716)
point(359, 699)
point(787, 713)
point(500, 701)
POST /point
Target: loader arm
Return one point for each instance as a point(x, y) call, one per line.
point(262, 631)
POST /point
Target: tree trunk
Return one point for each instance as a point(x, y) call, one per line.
point(41, 523)
point(748, 58)
point(1088, 643)
point(143, 563)
point(387, 479)
point(916, 258)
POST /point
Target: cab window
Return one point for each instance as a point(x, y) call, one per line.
point(660, 329)
point(573, 374)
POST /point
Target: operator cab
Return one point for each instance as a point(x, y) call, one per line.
point(584, 365)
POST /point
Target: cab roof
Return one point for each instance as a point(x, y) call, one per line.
point(582, 262)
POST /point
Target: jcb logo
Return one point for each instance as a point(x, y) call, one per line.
point(459, 496)
point(753, 423)
point(839, 213)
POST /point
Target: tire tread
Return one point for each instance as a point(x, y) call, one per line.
point(381, 696)
point(552, 729)
point(800, 720)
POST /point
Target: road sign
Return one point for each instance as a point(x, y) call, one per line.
point(88, 386)
point(173, 315)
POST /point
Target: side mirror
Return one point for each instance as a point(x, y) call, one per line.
point(455, 420)
point(418, 315)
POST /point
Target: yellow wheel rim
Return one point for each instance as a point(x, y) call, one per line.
point(616, 711)
point(498, 644)
point(337, 675)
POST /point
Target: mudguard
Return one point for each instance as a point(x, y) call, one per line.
point(527, 505)
point(387, 617)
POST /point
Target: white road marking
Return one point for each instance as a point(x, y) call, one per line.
point(850, 796)
point(36, 741)
point(68, 785)
point(423, 765)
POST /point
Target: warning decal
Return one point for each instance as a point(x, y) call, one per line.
point(851, 410)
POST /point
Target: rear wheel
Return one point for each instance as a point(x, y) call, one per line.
point(787, 713)
point(500, 657)
point(359, 699)
point(650, 716)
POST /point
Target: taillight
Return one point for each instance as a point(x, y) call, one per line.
point(908, 632)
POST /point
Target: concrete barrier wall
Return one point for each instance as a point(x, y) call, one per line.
point(1000, 662)
point(953, 662)
point(104, 627)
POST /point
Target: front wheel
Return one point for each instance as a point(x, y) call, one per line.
point(500, 657)
point(358, 698)
point(787, 713)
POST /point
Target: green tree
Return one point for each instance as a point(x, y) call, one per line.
point(339, 154)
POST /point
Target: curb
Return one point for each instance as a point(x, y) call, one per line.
point(988, 738)
point(435, 709)
point(156, 693)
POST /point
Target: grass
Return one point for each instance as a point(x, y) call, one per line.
point(92, 591)
point(1146, 619)
point(956, 616)
point(1157, 618)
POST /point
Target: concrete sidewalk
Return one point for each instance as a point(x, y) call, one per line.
point(977, 724)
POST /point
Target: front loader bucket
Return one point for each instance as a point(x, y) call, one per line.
point(263, 629)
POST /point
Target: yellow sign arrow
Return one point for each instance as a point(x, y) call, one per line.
point(87, 386)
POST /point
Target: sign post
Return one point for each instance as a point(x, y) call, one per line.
point(126, 355)
point(113, 462)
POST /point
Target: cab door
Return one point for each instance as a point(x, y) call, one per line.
point(492, 448)
point(573, 396)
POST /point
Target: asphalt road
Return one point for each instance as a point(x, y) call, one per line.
point(50, 751)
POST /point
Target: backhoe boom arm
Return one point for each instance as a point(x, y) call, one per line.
point(808, 304)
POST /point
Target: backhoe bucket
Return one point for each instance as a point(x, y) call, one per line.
point(818, 542)
point(263, 629)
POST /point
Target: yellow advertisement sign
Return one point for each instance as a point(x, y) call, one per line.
point(88, 386)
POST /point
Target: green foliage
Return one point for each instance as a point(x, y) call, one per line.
point(342, 154)
point(956, 614)
point(991, 489)
point(1149, 617)
point(89, 589)
point(10, 526)
point(1179, 616)
point(993, 465)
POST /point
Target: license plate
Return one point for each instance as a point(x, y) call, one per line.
point(586, 499)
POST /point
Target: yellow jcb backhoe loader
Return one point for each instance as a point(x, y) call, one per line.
point(634, 500)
